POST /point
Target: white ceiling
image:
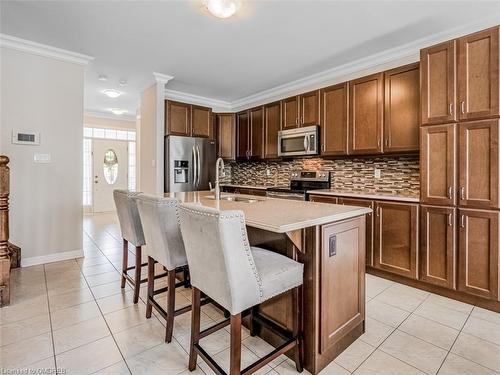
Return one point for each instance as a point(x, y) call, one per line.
point(267, 44)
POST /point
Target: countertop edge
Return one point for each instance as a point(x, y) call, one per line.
point(366, 196)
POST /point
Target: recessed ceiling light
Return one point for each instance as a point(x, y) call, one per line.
point(118, 111)
point(112, 93)
point(122, 82)
point(102, 78)
point(222, 8)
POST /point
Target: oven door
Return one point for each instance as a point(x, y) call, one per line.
point(297, 142)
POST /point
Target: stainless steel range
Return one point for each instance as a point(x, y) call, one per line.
point(300, 183)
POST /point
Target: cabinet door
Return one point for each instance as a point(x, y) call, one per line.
point(201, 121)
point(438, 83)
point(272, 125)
point(366, 114)
point(257, 133)
point(402, 109)
point(243, 132)
point(226, 136)
point(396, 231)
point(290, 113)
point(309, 108)
point(334, 101)
point(478, 81)
point(478, 256)
point(437, 245)
point(323, 199)
point(249, 191)
point(478, 154)
point(177, 118)
point(369, 224)
point(438, 165)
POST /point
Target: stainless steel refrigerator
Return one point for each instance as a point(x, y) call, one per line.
point(189, 163)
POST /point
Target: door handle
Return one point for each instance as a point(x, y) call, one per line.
point(450, 192)
point(306, 143)
point(450, 222)
point(377, 211)
point(462, 193)
point(462, 221)
point(198, 165)
point(451, 109)
point(193, 154)
point(462, 106)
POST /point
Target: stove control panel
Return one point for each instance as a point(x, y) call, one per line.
point(310, 176)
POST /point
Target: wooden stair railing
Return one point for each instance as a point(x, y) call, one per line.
point(10, 255)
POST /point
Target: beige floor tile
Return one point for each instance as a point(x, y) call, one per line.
point(89, 358)
point(74, 314)
point(45, 366)
point(376, 285)
point(93, 260)
point(354, 355)
point(455, 364)
point(261, 348)
point(109, 289)
point(104, 278)
point(380, 363)
point(288, 368)
point(484, 314)
point(450, 303)
point(442, 315)
point(375, 332)
point(25, 352)
point(116, 302)
point(20, 310)
point(403, 297)
point(247, 358)
point(126, 318)
point(119, 368)
point(483, 329)
point(418, 353)
point(164, 359)
point(73, 298)
point(386, 314)
point(80, 334)
point(98, 269)
point(66, 286)
point(213, 344)
point(213, 312)
point(430, 331)
point(137, 339)
point(182, 323)
point(334, 369)
point(24, 329)
point(477, 350)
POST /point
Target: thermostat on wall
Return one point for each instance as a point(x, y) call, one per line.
point(25, 137)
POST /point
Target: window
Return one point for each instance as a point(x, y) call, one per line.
point(87, 172)
point(110, 167)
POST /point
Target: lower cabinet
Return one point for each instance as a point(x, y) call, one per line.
point(396, 234)
point(478, 252)
point(323, 199)
point(248, 191)
point(438, 245)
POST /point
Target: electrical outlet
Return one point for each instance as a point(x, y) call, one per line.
point(377, 173)
point(268, 172)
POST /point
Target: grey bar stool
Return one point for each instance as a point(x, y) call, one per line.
point(224, 267)
point(131, 228)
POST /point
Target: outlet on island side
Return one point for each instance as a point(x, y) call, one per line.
point(376, 173)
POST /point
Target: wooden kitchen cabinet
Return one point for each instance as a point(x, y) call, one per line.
point(438, 165)
point(334, 116)
point(478, 75)
point(201, 121)
point(309, 108)
point(243, 135)
point(323, 199)
point(479, 158)
point(272, 125)
point(396, 232)
point(478, 252)
point(256, 133)
point(438, 83)
point(226, 135)
point(290, 112)
point(438, 245)
point(369, 224)
point(366, 102)
point(177, 118)
point(402, 109)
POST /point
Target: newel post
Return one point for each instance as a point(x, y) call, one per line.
point(4, 232)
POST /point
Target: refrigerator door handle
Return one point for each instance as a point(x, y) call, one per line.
point(193, 154)
point(198, 164)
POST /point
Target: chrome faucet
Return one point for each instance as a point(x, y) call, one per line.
point(217, 170)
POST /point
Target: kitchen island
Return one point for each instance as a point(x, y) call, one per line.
point(330, 241)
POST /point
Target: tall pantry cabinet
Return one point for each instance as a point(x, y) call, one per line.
point(460, 157)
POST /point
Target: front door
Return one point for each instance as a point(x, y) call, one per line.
point(110, 162)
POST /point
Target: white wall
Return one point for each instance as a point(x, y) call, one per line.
point(109, 123)
point(45, 95)
point(147, 141)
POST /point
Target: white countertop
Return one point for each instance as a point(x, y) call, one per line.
point(276, 215)
point(367, 195)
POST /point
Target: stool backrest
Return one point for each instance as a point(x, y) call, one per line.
point(161, 229)
point(220, 260)
point(128, 216)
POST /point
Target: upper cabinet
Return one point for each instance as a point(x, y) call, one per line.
point(188, 120)
point(226, 135)
point(257, 133)
point(401, 112)
point(366, 114)
point(272, 125)
point(290, 112)
point(334, 106)
point(438, 89)
point(301, 110)
point(242, 136)
point(478, 80)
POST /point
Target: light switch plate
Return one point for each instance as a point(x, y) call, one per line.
point(42, 158)
point(377, 173)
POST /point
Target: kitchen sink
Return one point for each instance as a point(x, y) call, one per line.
point(236, 198)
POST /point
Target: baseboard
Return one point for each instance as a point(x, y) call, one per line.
point(49, 258)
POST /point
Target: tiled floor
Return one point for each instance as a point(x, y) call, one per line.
point(74, 315)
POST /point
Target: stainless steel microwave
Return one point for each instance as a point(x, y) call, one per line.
point(298, 142)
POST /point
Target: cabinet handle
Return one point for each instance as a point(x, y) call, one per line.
point(451, 108)
point(378, 143)
point(450, 222)
point(462, 193)
point(450, 192)
point(462, 221)
point(377, 211)
point(297, 121)
point(302, 120)
point(387, 142)
point(323, 147)
point(462, 106)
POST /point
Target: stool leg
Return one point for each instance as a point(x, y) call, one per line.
point(124, 262)
point(151, 286)
point(137, 280)
point(170, 305)
point(253, 312)
point(297, 298)
point(195, 327)
point(235, 346)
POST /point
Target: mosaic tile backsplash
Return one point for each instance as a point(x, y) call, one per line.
point(399, 175)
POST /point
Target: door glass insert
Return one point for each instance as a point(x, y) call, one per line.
point(110, 166)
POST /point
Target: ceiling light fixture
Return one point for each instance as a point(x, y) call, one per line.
point(118, 111)
point(102, 78)
point(222, 8)
point(122, 82)
point(112, 93)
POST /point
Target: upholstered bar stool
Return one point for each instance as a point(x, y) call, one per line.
point(131, 228)
point(224, 267)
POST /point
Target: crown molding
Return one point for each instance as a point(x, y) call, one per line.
point(44, 50)
point(216, 104)
point(162, 78)
point(109, 115)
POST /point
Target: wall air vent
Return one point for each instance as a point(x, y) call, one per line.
point(25, 137)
